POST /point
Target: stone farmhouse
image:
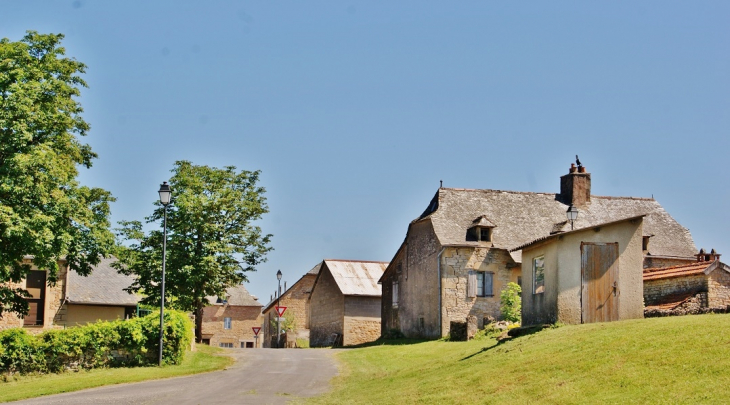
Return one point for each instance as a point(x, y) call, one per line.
point(229, 321)
point(459, 254)
point(74, 299)
point(296, 301)
point(585, 275)
point(688, 288)
point(345, 303)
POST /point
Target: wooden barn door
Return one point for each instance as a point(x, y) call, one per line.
point(599, 292)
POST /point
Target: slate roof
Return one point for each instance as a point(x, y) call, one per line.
point(683, 270)
point(522, 217)
point(357, 277)
point(104, 286)
point(237, 296)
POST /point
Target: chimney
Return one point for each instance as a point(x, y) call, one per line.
point(702, 256)
point(575, 187)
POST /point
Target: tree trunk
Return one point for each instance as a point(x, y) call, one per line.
point(199, 323)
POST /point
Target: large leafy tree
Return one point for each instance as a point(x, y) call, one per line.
point(44, 212)
point(212, 239)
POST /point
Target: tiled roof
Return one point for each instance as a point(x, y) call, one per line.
point(522, 217)
point(683, 270)
point(357, 277)
point(238, 296)
point(670, 302)
point(104, 286)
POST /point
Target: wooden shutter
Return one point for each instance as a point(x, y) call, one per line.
point(488, 284)
point(471, 285)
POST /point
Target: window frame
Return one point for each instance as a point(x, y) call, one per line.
point(395, 294)
point(538, 287)
point(227, 323)
point(483, 283)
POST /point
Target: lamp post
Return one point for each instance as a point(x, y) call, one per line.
point(572, 214)
point(278, 317)
point(165, 194)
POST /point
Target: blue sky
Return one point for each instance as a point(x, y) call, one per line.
point(355, 110)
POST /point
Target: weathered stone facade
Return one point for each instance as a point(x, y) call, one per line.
point(656, 290)
point(665, 261)
point(327, 311)
point(53, 310)
point(296, 301)
point(718, 289)
point(243, 319)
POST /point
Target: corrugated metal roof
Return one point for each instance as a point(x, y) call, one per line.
point(103, 286)
point(357, 277)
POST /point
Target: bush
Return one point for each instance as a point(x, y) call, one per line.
point(132, 342)
point(511, 303)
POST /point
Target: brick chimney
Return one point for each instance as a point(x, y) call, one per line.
point(575, 187)
point(702, 256)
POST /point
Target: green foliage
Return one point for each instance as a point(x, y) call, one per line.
point(212, 241)
point(511, 303)
point(288, 321)
point(44, 212)
point(132, 342)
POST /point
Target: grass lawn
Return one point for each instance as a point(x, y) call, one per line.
point(204, 359)
point(659, 360)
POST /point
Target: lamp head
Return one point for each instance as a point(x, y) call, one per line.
point(278, 275)
point(165, 193)
point(572, 213)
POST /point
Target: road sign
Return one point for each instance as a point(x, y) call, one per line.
point(280, 310)
point(256, 330)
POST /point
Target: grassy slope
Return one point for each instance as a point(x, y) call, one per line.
point(660, 360)
point(202, 360)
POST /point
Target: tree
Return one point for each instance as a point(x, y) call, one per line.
point(44, 212)
point(212, 241)
point(511, 303)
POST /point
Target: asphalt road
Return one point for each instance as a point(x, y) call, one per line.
point(259, 376)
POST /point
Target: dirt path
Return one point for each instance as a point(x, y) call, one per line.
point(261, 376)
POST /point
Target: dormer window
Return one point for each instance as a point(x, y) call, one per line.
point(481, 229)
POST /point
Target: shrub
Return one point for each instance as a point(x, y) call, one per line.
point(511, 303)
point(132, 342)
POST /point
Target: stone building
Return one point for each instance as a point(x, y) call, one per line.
point(457, 256)
point(74, 299)
point(583, 276)
point(296, 300)
point(229, 320)
point(688, 288)
point(345, 303)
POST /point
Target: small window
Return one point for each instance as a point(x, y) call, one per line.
point(395, 294)
point(484, 284)
point(645, 243)
point(226, 323)
point(484, 235)
point(538, 275)
point(228, 345)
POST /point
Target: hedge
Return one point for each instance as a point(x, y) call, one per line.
point(132, 342)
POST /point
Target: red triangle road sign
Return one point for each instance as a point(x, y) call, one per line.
point(280, 310)
point(256, 330)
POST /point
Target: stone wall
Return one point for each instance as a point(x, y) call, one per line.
point(296, 301)
point(327, 306)
point(656, 290)
point(362, 320)
point(666, 261)
point(53, 309)
point(718, 289)
point(457, 262)
point(243, 319)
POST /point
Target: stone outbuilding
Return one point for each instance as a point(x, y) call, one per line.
point(345, 303)
point(688, 288)
point(229, 321)
point(74, 299)
point(296, 300)
point(584, 276)
point(459, 254)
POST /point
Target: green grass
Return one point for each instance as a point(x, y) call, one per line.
point(202, 360)
point(659, 360)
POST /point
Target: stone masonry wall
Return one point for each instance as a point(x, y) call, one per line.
point(457, 262)
point(718, 289)
point(243, 319)
point(655, 290)
point(362, 320)
point(296, 301)
point(52, 310)
point(658, 261)
point(327, 306)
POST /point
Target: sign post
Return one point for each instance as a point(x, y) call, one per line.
point(279, 312)
point(256, 330)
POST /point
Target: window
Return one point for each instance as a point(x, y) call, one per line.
point(35, 284)
point(538, 275)
point(645, 243)
point(228, 345)
point(226, 323)
point(395, 294)
point(479, 284)
point(484, 234)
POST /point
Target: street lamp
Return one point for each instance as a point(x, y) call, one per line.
point(278, 317)
point(165, 195)
point(572, 214)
